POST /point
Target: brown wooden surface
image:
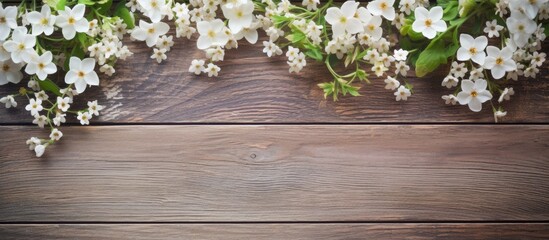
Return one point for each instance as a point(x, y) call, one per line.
point(279, 173)
point(254, 88)
point(276, 231)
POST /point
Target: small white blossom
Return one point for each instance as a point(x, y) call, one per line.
point(271, 49)
point(81, 74)
point(474, 94)
point(40, 120)
point(506, 94)
point(42, 66)
point(343, 19)
point(39, 150)
point(165, 42)
point(94, 108)
point(154, 9)
point(458, 70)
point(33, 142)
point(21, 45)
point(197, 66)
point(450, 99)
point(42, 22)
point(212, 70)
point(159, 55)
point(310, 4)
point(150, 32)
point(212, 34)
point(450, 81)
point(84, 118)
point(391, 83)
point(34, 106)
point(9, 101)
point(56, 134)
point(402, 93)
point(499, 61)
point(9, 15)
point(472, 48)
point(10, 72)
point(492, 28)
point(429, 22)
point(59, 118)
point(240, 15)
point(63, 103)
point(400, 54)
point(499, 114)
point(382, 8)
point(72, 21)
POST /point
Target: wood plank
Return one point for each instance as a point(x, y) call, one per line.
point(230, 173)
point(254, 88)
point(276, 231)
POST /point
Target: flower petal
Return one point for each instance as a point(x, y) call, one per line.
point(475, 105)
point(467, 86)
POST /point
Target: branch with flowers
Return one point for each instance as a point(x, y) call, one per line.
point(61, 45)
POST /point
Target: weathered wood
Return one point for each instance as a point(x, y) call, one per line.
point(278, 173)
point(276, 231)
point(254, 88)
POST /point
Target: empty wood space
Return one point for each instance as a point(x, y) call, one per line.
point(258, 153)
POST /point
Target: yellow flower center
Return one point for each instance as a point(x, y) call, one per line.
point(21, 46)
point(2, 20)
point(499, 61)
point(81, 74)
point(151, 30)
point(428, 22)
point(474, 94)
point(383, 6)
point(41, 65)
point(343, 20)
point(473, 51)
point(72, 21)
point(211, 34)
point(44, 21)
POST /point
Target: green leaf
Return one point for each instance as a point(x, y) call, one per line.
point(87, 2)
point(314, 53)
point(296, 36)
point(105, 7)
point(49, 86)
point(450, 11)
point(280, 20)
point(61, 5)
point(328, 88)
point(433, 56)
point(125, 14)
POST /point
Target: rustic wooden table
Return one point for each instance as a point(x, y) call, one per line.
point(259, 154)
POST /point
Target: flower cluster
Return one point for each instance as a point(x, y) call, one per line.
point(57, 40)
point(60, 46)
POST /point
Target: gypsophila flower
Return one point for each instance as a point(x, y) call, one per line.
point(391, 83)
point(506, 94)
point(33, 142)
point(474, 94)
point(34, 106)
point(212, 70)
point(400, 55)
point(458, 70)
point(271, 49)
point(450, 99)
point(165, 42)
point(197, 66)
point(39, 150)
point(63, 103)
point(41, 95)
point(107, 70)
point(450, 81)
point(477, 73)
point(159, 55)
point(59, 118)
point(402, 93)
point(84, 118)
point(310, 4)
point(8, 101)
point(215, 54)
point(55, 134)
point(40, 120)
point(150, 32)
point(94, 108)
point(492, 28)
point(401, 68)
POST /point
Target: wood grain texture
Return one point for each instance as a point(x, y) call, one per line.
point(278, 173)
point(276, 231)
point(254, 88)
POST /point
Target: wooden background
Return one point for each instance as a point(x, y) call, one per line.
point(257, 153)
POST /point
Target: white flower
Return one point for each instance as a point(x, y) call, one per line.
point(33, 142)
point(458, 69)
point(407, 6)
point(212, 70)
point(150, 32)
point(450, 99)
point(39, 150)
point(429, 22)
point(529, 7)
point(474, 94)
point(42, 22)
point(492, 28)
point(21, 45)
point(41, 95)
point(506, 94)
point(59, 118)
point(10, 72)
point(56, 134)
point(382, 8)
point(197, 66)
point(250, 34)
point(402, 93)
point(215, 54)
point(211, 34)
point(63, 104)
point(310, 4)
point(40, 120)
point(450, 81)
point(9, 17)
point(94, 108)
point(165, 42)
point(499, 61)
point(401, 68)
point(372, 24)
point(400, 54)
point(499, 114)
point(107, 69)
point(159, 55)
point(84, 118)
point(81, 73)
point(538, 59)
point(472, 48)
point(9, 101)
point(391, 83)
point(239, 15)
point(521, 28)
point(72, 21)
point(531, 71)
point(154, 9)
point(42, 66)
point(344, 20)
point(379, 68)
point(35, 106)
point(477, 73)
point(292, 53)
point(271, 49)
